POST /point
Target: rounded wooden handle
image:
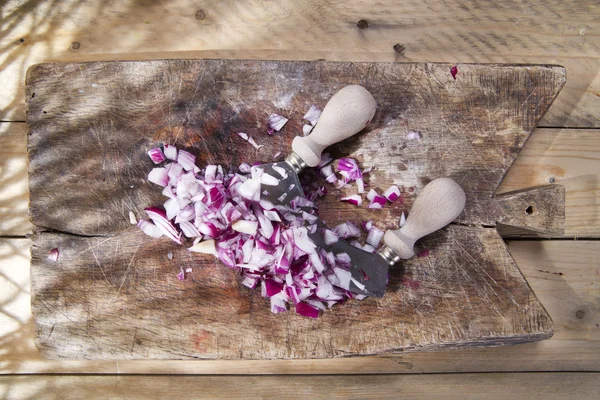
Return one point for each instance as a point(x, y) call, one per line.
point(438, 204)
point(346, 113)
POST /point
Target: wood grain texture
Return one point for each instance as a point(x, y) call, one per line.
point(562, 274)
point(561, 32)
point(14, 188)
point(467, 386)
point(118, 297)
point(540, 210)
point(570, 158)
point(91, 125)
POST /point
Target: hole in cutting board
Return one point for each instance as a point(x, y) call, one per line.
point(529, 210)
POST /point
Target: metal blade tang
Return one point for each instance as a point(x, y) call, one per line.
point(370, 270)
point(289, 186)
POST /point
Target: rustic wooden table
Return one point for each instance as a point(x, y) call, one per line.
point(565, 149)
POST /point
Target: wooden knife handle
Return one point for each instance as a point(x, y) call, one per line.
point(438, 204)
point(348, 112)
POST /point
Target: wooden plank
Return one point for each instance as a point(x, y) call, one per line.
point(91, 141)
point(564, 288)
point(88, 138)
point(450, 386)
point(14, 190)
point(118, 297)
point(566, 157)
point(544, 32)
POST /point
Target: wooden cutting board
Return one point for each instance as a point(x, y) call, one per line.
point(114, 292)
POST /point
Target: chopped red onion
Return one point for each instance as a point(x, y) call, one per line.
point(306, 129)
point(243, 135)
point(454, 71)
point(353, 199)
point(181, 275)
point(156, 155)
point(360, 184)
point(53, 254)
point(267, 244)
point(377, 201)
point(330, 237)
point(245, 168)
point(313, 114)
point(325, 159)
point(392, 193)
point(367, 225)
point(170, 152)
point(423, 253)
point(374, 236)
point(347, 229)
point(276, 122)
point(281, 171)
point(372, 194)
point(367, 247)
point(149, 228)
point(358, 284)
point(254, 144)
point(412, 135)
point(276, 156)
point(402, 219)
point(189, 230)
point(160, 176)
point(159, 217)
point(187, 161)
point(307, 310)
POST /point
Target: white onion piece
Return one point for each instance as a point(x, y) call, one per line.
point(132, 218)
point(206, 247)
point(243, 135)
point(276, 155)
point(243, 226)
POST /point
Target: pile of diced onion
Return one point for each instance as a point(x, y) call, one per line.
point(221, 213)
